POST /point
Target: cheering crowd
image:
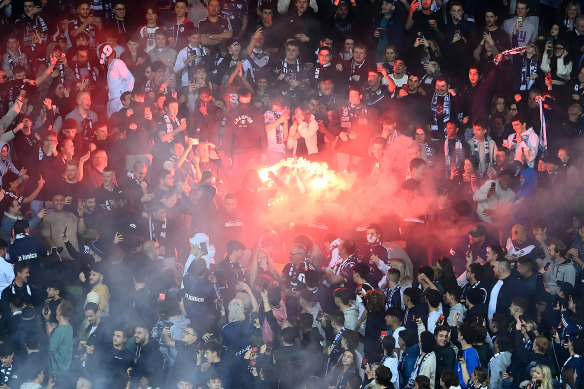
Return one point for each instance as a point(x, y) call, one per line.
point(141, 247)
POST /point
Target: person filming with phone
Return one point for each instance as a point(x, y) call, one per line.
point(494, 197)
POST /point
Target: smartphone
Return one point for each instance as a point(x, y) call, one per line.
point(65, 232)
point(460, 354)
point(383, 334)
point(54, 251)
point(416, 316)
point(547, 266)
point(493, 185)
point(254, 350)
point(519, 19)
point(161, 296)
point(219, 304)
point(420, 36)
point(203, 246)
point(441, 319)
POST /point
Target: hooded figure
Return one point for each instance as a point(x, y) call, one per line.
point(6, 164)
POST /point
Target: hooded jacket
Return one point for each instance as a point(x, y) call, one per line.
point(351, 315)
point(498, 364)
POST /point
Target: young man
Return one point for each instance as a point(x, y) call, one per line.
point(482, 147)
point(189, 57)
point(85, 22)
point(520, 29)
point(524, 144)
point(180, 28)
point(119, 78)
point(215, 28)
point(13, 56)
point(61, 341)
point(445, 355)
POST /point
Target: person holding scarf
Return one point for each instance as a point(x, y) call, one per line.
point(482, 147)
point(455, 149)
point(426, 362)
point(444, 107)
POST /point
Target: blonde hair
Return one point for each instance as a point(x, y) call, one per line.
point(253, 268)
point(236, 311)
point(546, 382)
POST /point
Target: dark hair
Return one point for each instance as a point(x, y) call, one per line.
point(8, 178)
point(434, 298)
point(409, 337)
point(423, 382)
point(497, 250)
point(383, 376)
point(19, 267)
point(374, 300)
point(91, 307)
point(455, 291)
point(388, 344)
point(449, 378)
point(477, 269)
point(234, 245)
point(499, 320)
point(441, 327)
point(521, 303)
point(427, 271)
point(343, 294)
point(306, 320)
point(468, 333)
point(414, 294)
point(212, 346)
point(32, 341)
point(275, 296)
point(427, 341)
point(395, 312)
point(504, 342)
point(289, 335)
point(349, 246)
point(361, 269)
point(338, 317)
point(3, 244)
point(6, 349)
point(351, 338)
point(416, 163)
point(20, 226)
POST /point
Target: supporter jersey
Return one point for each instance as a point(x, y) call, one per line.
point(294, 275)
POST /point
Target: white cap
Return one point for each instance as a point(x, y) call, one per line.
point(199, 238)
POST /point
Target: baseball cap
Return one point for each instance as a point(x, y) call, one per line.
point(478, 230)
point(199, 238)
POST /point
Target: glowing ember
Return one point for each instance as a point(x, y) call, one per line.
point(300, 190)
point(306, 176)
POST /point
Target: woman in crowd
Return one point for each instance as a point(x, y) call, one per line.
point(541, 377)
point(343, 370)
point(262, 265)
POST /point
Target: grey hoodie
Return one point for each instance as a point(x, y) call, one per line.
point(351, 315)
point(178, 326)
point(498, 364)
